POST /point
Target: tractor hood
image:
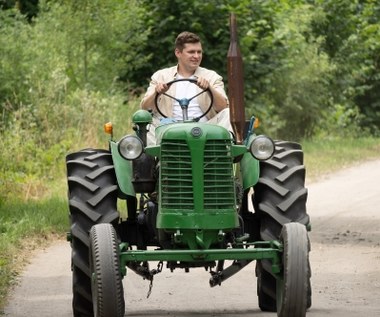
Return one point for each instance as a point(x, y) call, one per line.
point(195, 135)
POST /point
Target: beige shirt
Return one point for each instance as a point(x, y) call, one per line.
point(168, 74)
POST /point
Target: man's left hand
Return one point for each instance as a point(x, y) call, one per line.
point(203, 83)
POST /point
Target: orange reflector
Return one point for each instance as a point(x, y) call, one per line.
point(108, 128)
point(256, 124)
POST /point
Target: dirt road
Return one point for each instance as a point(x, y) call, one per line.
point(345, 259)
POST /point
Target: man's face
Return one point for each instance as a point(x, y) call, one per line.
point(190, 57)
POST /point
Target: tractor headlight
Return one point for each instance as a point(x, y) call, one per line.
point(262, 148)
point(130, 147)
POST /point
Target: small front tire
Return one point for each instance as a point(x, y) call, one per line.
point(106, 280)
point(293, 287)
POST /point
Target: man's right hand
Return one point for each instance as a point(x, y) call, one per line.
point(161, 88)
point(148, 101)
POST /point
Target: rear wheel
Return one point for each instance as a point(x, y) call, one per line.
point(292, 288)
point(279, 198)
point(92, 199)
point(107, 287)
point(266, 289)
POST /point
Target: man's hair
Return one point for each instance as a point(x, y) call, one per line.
point(184, 38)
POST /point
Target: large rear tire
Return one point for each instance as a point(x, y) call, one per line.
point(92, 198)
point(280, 194)
point(266, 289)
point(293, 287)
point(107, 286)
point(279, 198)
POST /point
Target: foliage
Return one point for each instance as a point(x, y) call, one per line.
point(167, 18)
point(59, 88)
point(352, 33)
point(29, 8)
point(330, 154)
point(366, 72)
point(89, 44)
point(35, 143)
point(288, 75)
point(14, 62)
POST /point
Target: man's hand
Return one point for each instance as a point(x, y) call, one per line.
point(148, 101)
point(203, 83)
point(219, 102)
point(161, 88)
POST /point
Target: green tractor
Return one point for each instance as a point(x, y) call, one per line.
point(200, 197)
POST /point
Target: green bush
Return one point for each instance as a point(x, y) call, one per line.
point(59, 85)
point(295, 97)
point(36, 142)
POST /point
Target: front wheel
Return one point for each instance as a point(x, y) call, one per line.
point(92, 197)
point(293, 286)
point(106, 280)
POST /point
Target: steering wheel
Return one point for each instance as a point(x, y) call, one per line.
point(184, 102)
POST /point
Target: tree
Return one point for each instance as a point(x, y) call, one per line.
point(29, 8)
point(166, 19)
point(352, 32)
point(287, 74)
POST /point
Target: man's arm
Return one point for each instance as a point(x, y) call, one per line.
point(220, 101)
point(147, 102)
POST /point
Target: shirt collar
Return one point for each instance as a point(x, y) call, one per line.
point(175, 72)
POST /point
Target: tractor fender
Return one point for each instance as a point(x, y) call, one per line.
point(123, 170)
point(249, 168)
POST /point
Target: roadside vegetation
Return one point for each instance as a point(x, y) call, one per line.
point(25, 226)
point(67, 67)
point(325, 156)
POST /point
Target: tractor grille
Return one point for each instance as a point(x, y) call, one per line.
point(176, 175)
point(218, 176)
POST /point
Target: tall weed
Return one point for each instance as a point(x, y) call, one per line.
point(38, 138)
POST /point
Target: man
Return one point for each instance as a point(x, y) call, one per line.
point(188, 50)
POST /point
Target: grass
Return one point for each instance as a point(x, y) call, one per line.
point(25, 225)
point(326, 156)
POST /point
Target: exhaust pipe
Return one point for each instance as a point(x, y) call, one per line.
point(235, 83)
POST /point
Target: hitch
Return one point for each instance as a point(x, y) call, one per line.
point(143, 270)
point(218, 277)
